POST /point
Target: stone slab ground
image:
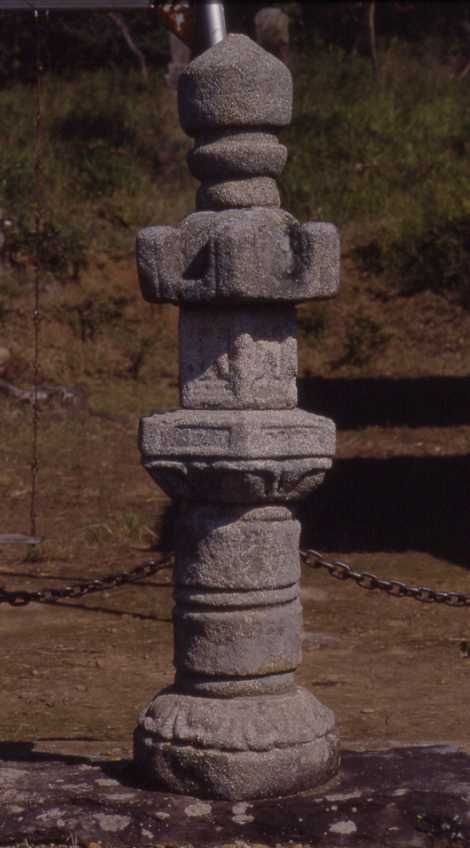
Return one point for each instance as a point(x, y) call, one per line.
point(412, 797)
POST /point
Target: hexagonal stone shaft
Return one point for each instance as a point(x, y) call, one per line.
point(239, 358)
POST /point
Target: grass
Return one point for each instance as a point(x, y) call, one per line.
point(96, 334)
point(99, 336)
point(104, 142)
point(386, 161)
point(388, 158)
point(362, 149)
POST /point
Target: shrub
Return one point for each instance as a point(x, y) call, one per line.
point(364, 339)
point(100, 146)
point(92, 314)
point(374, 153)
point(96, 136)
point(435, 258)
point(58, 248)
point(312, 323)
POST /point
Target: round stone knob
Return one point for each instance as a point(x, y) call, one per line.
point(235, 84)
point(233, 100)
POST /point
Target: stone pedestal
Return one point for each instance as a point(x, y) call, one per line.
point(238, 454)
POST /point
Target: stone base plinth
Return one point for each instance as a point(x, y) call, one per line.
point(236, 748)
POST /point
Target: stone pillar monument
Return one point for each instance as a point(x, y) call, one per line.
point(239, 454)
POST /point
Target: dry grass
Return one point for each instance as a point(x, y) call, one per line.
point(97, 334)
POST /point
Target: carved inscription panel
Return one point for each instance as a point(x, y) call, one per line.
point(242, 358)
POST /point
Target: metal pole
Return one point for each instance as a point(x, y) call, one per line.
point(212, 22)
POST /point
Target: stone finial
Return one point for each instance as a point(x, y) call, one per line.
point(233, 100)
point(235, 84)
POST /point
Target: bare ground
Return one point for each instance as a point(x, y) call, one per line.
point(74, 675)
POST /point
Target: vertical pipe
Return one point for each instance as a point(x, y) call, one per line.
point(213, 28)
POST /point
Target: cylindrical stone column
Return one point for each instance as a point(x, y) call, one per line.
point(237, 615)
point(238, 454)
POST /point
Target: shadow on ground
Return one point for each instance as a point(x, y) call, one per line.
point(396, 503)
point(25, 752)
point(388, 402)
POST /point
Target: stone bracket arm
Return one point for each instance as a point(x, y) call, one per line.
point(239, 256)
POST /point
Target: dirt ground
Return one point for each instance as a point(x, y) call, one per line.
point(74, 675)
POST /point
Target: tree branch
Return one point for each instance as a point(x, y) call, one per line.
point(372, 41)
point(124, 30)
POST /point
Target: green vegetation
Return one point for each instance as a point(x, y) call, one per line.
point(384, 156)
point(96, 169)
point(365, 338)
point(435, 256)
point(387, 161)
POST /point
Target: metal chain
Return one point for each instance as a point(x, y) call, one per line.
point(99, 584)
point(36, 315)
point(335, 568)
point(394, 588)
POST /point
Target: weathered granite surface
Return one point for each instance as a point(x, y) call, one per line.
point(242, 358)
point(239, 256)
point(394, 798)
point(234, 724)
point(227, 86)
point(248, 434)
point(237, 457)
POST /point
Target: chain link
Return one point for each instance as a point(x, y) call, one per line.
point(335, 568)
point(79, 590)
point(395, 588)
